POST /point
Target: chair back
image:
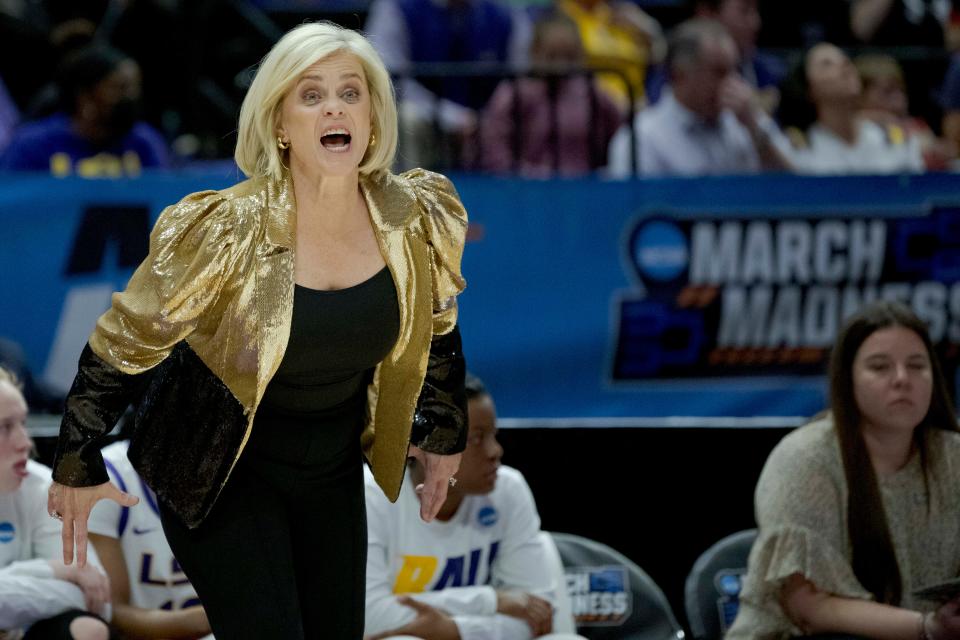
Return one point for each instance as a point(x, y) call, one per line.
point(611, 597)
point(712, 591)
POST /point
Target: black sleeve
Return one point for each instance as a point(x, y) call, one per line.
point(440, 421)
point(97, 399)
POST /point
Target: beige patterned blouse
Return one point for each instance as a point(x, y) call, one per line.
point(801, 513)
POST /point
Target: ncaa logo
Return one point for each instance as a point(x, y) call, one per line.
point(659, 250)
point(487, 516)
point(7, 532)
point(727, 583)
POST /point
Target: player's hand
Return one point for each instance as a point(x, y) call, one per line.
point(95, 586)
point(945, 622)
point(536, 612)
point(430, 623)
point(72, 505)
point(93, 582)
point(439, 469)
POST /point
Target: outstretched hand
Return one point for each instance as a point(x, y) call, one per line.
point(433, 491)
point(72, 505)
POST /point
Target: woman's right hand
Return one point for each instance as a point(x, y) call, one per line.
point(72, 505)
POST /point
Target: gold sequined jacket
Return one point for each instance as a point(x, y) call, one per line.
point(203, 325)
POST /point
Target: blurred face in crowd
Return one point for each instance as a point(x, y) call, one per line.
point(697, 83)
point(326, 117)
point(557, 43)
point(15, 444)
point(831, 76)
point(892, 380)
point(481, 458)
point(886, 94)
point(742, 20)
point(114, 102)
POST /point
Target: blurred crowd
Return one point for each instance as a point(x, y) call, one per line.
point(536, 88)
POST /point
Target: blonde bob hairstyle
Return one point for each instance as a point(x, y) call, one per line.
point(257, 153)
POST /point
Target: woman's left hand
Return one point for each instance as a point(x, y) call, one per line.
point(438, 469)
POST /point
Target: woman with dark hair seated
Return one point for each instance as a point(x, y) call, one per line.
point(859, 509)
point(820, 110)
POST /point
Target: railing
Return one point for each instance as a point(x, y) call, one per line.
point(458, 71)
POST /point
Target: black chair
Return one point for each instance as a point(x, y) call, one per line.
point(611, 597)
point(711, 594)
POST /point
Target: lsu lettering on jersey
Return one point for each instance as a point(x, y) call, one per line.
point(491, 542)
point(156, 580)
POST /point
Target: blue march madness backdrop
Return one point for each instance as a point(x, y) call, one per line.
point(586, 299)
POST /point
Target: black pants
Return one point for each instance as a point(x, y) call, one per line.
point(283, 552)
point(58, 627)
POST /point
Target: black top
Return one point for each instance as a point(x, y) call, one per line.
point(336, 339)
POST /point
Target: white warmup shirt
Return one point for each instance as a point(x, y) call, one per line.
point(29, 537)
point(491, 542)
point(873, 152)
point(156, 579)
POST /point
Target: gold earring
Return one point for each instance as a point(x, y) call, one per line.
point(373, 140)
point(281, 144)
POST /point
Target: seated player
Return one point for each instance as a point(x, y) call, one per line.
point(482, 569)
point(38, 593)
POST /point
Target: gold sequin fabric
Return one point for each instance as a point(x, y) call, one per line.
point(220, 277)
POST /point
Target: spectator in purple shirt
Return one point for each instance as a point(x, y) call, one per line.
point(566, 123)
point(97, 133)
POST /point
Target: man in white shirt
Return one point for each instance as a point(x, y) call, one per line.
point(37, 591)
point(481, 570)
point(707, 122)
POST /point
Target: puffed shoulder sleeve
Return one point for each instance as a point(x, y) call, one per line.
point(444, 222)
point(440, 419)
point(801, 516)
point(193, 248)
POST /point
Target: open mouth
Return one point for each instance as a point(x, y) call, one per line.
point(21, 469)
point(336, 140)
